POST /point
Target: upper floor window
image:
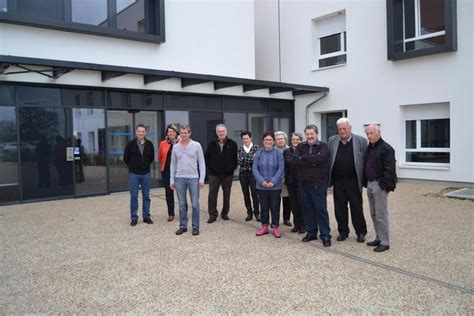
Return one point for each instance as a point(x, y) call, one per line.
point(420, 27)
point(329, 41)
point(141, 20)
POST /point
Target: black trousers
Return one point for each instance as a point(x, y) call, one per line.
point(248, 184)
point(295, 200)
point(215, 182)
point(286, 208)
point(165, 175)
point(346, 190)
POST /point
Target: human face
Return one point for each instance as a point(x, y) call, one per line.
point(171, 133)
point(295, 140)
point(344, 130)
point(184, 133)
point(280, 141)
point(246, 140)
point(221, 133)
point(373, 134)
point(311, 136)
point(141, 133)
point(268, 142)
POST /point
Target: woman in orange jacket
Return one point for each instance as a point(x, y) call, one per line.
point(164, 156)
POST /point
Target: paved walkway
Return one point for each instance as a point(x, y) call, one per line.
point(81, 256)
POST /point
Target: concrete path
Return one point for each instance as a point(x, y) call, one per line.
point(82, 256)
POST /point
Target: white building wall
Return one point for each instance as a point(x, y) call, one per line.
point(373, 89)
point(202, 36)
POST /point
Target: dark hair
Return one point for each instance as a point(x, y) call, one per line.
point(140, 125)
point(268, 133)
point(245, 133)
point(173, 127)
point(297, 135)
point(313, 127)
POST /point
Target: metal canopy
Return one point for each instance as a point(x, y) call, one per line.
point(109, 72)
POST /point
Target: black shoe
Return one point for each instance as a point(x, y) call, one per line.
point(195, 231)
point(342, 237)
point(257, 217)
point(170, 218)
point(225, 217)
point(373, 243)
point(361, 238)
point(148, 221)
point(381, 248)
point(327, 242)
point(248, 218)
point(301, 230)
point(211, 220)
point(181, 231)
point(287, 223)
point(294, 230)
point(308, 238)
point(133, 222)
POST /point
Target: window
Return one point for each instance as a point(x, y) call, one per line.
point(427, 141)
point(329, 40)
point(9, 184)
point(420, 27)
point(141, 20)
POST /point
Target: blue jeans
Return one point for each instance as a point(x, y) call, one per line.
point(269, 203)
point(136, 181)
point(182, 185)
point(315, 211)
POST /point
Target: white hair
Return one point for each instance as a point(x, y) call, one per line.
point(221, 125)
point(375, 126)
point(343, 120)
point(281, 133)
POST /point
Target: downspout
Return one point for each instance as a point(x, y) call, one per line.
point(325, 93)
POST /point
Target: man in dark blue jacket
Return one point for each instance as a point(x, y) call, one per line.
point(311, 162)
point(138, 156)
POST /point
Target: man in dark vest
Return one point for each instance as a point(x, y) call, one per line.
point(221, 161)
point(138, 156)
point(346, 172)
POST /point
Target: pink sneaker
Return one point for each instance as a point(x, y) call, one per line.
point(276, 232)
point(262, 231)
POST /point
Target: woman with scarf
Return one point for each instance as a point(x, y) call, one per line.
point(164, 156)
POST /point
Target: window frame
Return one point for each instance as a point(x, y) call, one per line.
point(154, 14)
point(396, 25)
point(419, 149)
point(342, 52)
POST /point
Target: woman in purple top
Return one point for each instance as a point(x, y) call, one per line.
point(268, 167)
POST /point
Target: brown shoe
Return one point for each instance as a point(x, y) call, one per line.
point(170, 218)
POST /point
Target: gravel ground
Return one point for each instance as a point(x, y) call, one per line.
point(82, 256)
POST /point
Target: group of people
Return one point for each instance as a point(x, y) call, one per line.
point(296, 175)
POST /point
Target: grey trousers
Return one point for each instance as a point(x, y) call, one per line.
point(378, 211)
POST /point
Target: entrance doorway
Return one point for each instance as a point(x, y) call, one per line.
point(121, 129)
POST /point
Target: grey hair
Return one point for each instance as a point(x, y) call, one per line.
point(375, 126)
point(297, 135)
point(185, 126)
point(313, 127)
point(281, 133)
point(221, 125)
point(343, 120)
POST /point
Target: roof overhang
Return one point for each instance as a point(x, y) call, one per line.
point(54, 69)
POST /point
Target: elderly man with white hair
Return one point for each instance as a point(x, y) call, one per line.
point(380, 178)
point(346, 172)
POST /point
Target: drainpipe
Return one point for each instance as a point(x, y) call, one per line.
point(307, 107)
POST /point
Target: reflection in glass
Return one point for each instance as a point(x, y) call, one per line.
point(93, 12)
point(177, 118)
point(45, 138)
point(410, 134)
point(282, 124)
point(328, 125)
point(44, 9)
point(9, 186)
point(235, 123)
point(435, 133)
point(203, 127)
point(89, 156)
point(258, 124)
point(120, 131)
point(131, 15)
point(3, 6)
point(431, 16)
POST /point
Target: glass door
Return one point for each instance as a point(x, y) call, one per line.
point(46, 152)
point(90, 167)
point(152, 120)
point(9, 184)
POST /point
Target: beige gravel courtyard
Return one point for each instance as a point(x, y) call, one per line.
point(82, 256)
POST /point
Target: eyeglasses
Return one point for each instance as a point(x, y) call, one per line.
point(268, 139)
